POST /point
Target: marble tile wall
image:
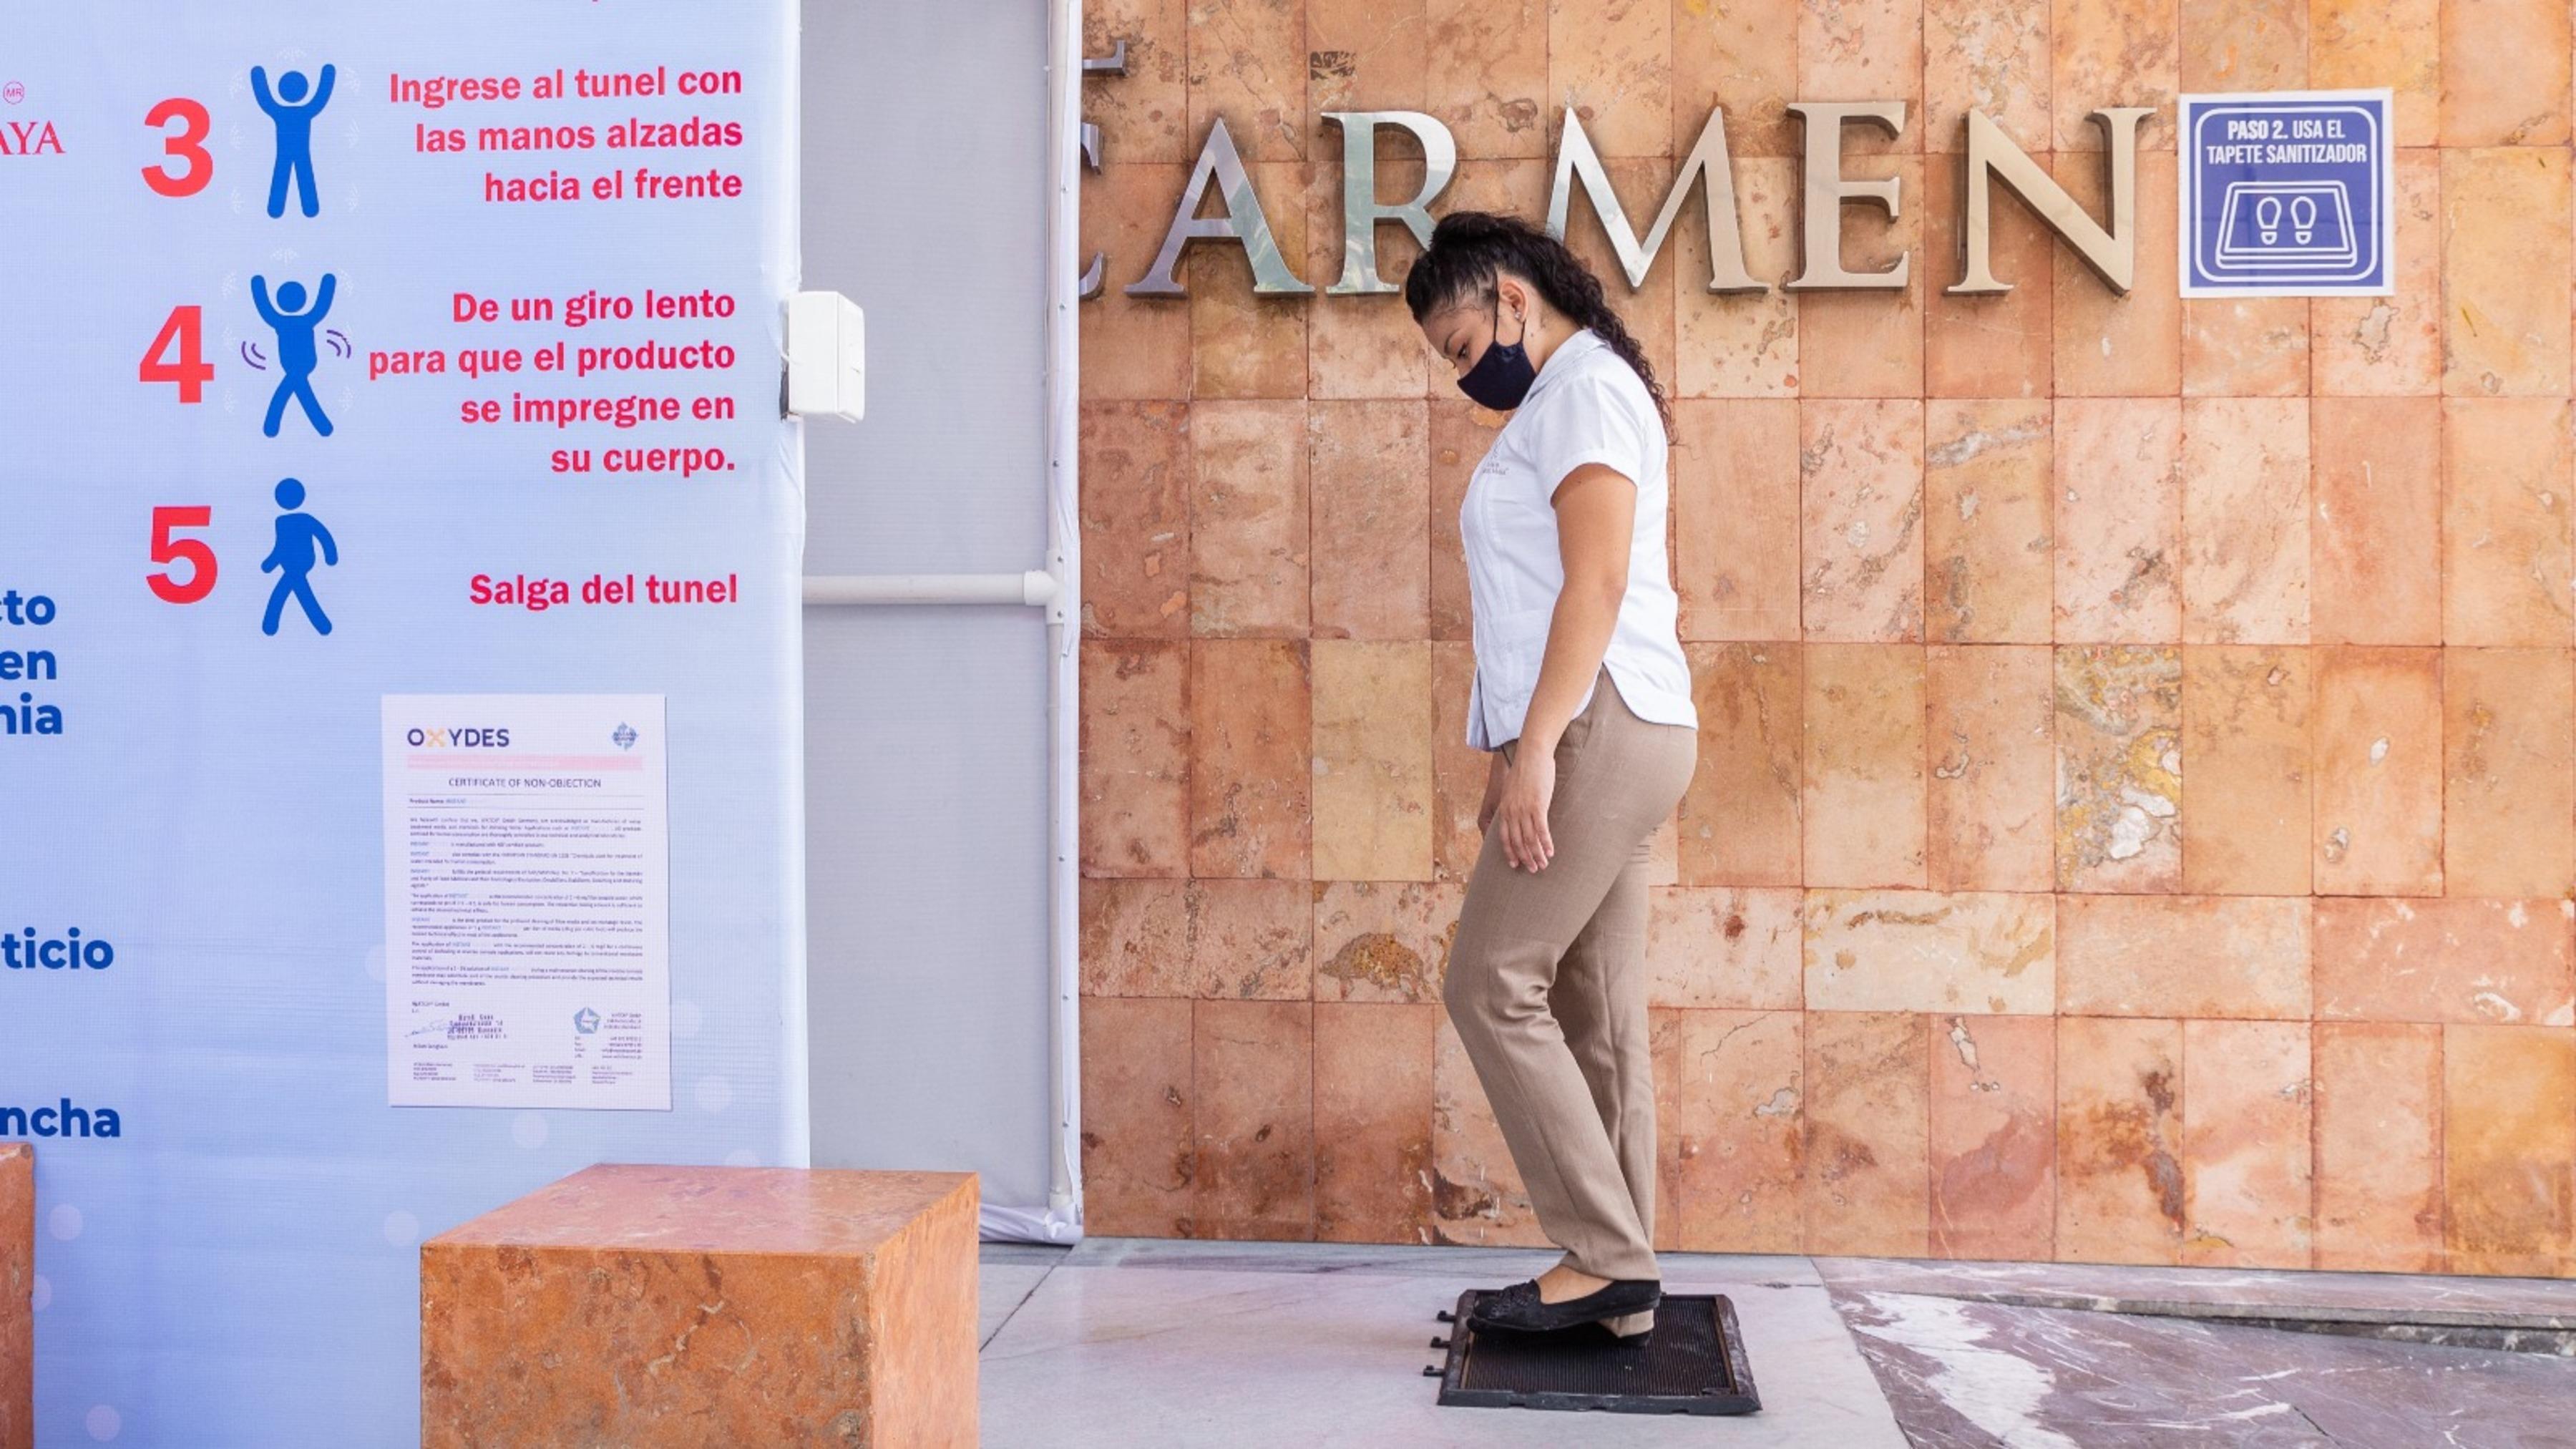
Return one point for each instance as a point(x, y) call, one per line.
point(2136, 812)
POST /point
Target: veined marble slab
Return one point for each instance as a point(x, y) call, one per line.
point(1971, 1375)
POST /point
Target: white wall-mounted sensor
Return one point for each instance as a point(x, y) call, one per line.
point(827, 357)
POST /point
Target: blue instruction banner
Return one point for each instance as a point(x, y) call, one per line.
point(400, 663)
point(2287, 194)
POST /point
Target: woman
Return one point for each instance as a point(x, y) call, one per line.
point(1582, 695)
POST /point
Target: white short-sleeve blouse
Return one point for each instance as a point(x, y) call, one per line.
point(1586, 406)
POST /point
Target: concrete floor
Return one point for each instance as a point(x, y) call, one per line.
point(1138, 1342)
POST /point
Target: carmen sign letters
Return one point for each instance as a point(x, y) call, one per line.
point(2108, 246)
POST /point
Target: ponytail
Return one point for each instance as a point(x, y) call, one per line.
point(1469, 248)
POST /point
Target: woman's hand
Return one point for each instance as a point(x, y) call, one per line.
point(1521, 814)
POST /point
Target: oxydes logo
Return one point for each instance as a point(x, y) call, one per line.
point(458, 737)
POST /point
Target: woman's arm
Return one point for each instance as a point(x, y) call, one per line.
point(1596, 512)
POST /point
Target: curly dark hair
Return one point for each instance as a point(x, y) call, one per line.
point(1468, 248)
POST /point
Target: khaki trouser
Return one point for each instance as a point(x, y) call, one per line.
point(1547, 988)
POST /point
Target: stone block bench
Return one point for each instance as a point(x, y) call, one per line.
point(635, 1306)
point(17, 1287)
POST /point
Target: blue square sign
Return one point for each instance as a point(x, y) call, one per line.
point(2287, 194)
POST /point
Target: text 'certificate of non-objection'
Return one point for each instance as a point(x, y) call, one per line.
point(527, 901)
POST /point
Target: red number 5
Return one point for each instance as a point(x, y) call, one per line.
point(188, 145)
point(191, 551)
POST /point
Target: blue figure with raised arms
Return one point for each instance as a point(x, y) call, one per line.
point(297, 354)
point(301, 541)
point(294, 117)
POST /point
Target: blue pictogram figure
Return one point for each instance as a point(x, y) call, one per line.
point(297, 354)
point(294, 117)
point(301, 539)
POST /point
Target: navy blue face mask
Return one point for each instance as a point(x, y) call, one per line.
point(1502, 377)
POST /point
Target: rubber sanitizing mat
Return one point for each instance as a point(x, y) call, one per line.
point(1693, 1363)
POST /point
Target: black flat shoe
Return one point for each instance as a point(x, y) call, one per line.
point(1519, 1309)
point(1627, 1340)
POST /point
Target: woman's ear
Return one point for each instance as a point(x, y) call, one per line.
point(1521, 296)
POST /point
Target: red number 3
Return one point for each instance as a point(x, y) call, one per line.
point(188, 144)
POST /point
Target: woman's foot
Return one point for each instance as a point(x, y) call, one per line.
point(1563, 1281)
point(1525, 1307)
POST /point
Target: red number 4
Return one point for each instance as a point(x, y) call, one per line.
point(183, 329)
point(191, 551)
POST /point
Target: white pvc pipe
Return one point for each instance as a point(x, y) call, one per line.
point(1064, 629)
point(1031, 587)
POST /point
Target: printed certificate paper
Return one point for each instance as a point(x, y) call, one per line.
point(527, 901)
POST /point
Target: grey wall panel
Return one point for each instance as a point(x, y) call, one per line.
point(925, 134)
point(926, 892)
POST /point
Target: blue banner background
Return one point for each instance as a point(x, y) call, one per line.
point(239, 1266)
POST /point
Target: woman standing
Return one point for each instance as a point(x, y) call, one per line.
point(1583, 697)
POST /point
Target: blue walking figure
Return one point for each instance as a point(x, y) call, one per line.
point(297, 355)
point(294, 135)
point(300, 536)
